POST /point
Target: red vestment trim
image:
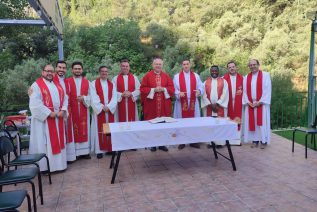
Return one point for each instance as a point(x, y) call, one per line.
point(78, 110)
point(187, 111)
point(56, 136)
point(104, 141)
point(208, 88)
point(235, 111)
point(122, 105)
point(259, 82)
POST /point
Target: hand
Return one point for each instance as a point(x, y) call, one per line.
point(159, 89)
point(197, 93)
point(80, 98)
point(30, 91)
point(60, 114)
point(182, 94)
point(257, 104)
point(105, 108)
point(251, 104)
point(52, 115)
point(126, 94)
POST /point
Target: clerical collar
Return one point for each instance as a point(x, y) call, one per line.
point(103, 79)
point(157, 73)
point(48, 80)
point(186, 72)
point(256, 73)
point(61, 77)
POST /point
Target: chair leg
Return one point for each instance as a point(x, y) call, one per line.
point(293, 141)
point(306, 145)
point(40, 186)
point(29, 202)
point(34, 196)
point(48, 169)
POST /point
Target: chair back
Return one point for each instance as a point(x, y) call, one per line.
point(315, 123)
point(6, 147)
point(10, 125)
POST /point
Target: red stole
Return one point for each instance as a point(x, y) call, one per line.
point(208, 88)
point(56, 136)
point(104, 141)
point(78, 115)
point(235, 110)
point(259, 82)
point(122, 105)
point(187, 112)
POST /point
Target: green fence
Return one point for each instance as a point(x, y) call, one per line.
point(289, 110)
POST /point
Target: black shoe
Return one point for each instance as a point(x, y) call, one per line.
point(153, 149)
point(86, 156)
point(181, 146)
point(44, 172)
point(108, 153)
point(100, 155)
point(70, 162)
point(219, 146)
point(195, 145)
point(163, 148)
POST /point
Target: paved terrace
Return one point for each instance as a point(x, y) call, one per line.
point(273, 179)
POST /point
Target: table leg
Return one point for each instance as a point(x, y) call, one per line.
point(112, 159)
point(214, 149)
point(116, 167)
point(231, 156)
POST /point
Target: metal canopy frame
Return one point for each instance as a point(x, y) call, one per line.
point(312, 107)
point(44, 21)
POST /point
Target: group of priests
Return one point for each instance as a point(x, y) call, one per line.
point(62, 107)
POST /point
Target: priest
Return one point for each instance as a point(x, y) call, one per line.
point(157, 89)
point(216, 96)
point(60, 72)
point(80, 99)
point(188, 87)
point(104, 113)
point(128, 92)
point(257, 100)
point(48, 107)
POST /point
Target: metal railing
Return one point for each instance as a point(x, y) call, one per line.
point(289, 110)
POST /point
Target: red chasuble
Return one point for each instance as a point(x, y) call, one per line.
point(69, 134)
point(235, 110)
point(158, 106)
point(56, 136)
point(259, 82)
point(188, 111)
point(208, 89)
point(122, 105)
point(104, 141)
point(78, 110)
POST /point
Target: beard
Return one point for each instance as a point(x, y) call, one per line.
point(214, 76)
point(77, 74)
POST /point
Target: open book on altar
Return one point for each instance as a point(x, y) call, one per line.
point(162, 119)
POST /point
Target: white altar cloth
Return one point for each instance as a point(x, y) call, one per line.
point(141, 134)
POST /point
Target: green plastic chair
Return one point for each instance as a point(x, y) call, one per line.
point(23, 175)
point(27, 159)
point(11, 200)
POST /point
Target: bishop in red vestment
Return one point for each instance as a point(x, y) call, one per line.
point(157, 89)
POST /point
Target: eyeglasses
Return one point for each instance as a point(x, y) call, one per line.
point(77, 68)
point(49, 71)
